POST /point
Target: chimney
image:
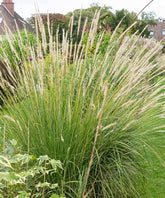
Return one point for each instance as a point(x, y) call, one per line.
point(9, 5)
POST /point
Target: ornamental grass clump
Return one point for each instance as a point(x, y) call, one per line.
point(93, 113)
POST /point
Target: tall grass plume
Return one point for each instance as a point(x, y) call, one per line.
point(90, 111)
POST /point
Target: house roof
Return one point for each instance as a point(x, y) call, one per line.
point(12, 20)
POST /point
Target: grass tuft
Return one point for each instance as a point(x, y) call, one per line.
point(94, 112)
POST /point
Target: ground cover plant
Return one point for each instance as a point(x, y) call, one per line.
point(94, 113)
point(24, 175)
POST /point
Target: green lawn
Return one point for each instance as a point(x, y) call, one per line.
point(154, 185)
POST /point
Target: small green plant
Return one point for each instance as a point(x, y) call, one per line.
point(24, 175)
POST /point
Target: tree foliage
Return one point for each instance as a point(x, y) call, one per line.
point(57, 22)
point(108, 19)
point(88, 14)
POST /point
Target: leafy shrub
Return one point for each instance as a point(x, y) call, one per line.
point(11, 52)
point(105, 42)
point(55, 22)
point(14, 50)
point(23, 175)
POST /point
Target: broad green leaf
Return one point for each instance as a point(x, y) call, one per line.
point(26, 159)
point(43, 159)
point(21, 158)
point(37, 195)
point(13, 142)
point(16, 158)
point(36, 170)
point(55, 164)
point(41, 185)
point(10, 177)
point(53, 186)
point(26, 174)
point(4, 162)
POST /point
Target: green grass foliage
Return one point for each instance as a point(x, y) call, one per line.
point(93, 113)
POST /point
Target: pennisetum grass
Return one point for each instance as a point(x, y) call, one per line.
point(91, 112)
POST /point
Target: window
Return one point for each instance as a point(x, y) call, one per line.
point(163, 32)
point(151, 32)
point(1, 19)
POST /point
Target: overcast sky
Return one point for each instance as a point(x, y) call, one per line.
point(27, 7)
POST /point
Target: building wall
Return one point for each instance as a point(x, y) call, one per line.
point(9, 5)
point(158, 31)
point(12, 22)
point(8, 19)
